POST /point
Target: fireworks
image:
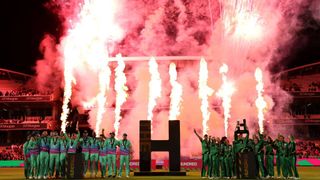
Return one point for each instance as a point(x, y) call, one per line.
point(225, 92)
point(85, 46)
point(204, 92)
point(260, 102)
point(176, 93)
point(241, 19)
point(121, 90)
point(154, 87)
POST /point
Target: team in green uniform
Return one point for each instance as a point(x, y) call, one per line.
point(218, 157)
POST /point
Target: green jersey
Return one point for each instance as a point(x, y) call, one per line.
point(112, 144)
point(125, 146)
point(55, 145)
point(205, 146)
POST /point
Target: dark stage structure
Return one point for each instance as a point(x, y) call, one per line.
point(172, 145)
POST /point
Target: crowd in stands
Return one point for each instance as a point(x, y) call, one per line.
point(295, 87)
point(308, 149)
point(13, 152)
point(23, 92)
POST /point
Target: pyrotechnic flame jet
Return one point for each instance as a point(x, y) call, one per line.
point(121, 90)
point(204, 92)
point(154, 87)
point(176, 93)
point(260, 102)
point(85, 46)
point(225, 92)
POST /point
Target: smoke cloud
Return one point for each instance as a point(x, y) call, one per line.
point(186, 27)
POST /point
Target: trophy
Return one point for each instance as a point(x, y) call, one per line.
point(241, 128)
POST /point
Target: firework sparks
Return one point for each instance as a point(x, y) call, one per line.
point(176, 93)
point(154, 87)
point(121, 90)
point(225, 92)
point(204, 92)
point(260, 102)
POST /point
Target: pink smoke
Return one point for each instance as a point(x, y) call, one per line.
point(183, 27)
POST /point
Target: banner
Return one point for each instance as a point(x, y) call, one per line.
point(29, 126)
point(36, 98)
point(191, 164)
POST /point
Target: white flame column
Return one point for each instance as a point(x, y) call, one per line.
point(260, 102)
point(225, 92)
point(104, 83)
point(176, 93)
point(68, 80)
point(154, 87)
point(121, 90)
point(204, 92)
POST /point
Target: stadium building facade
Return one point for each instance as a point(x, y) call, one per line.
point(302, 117)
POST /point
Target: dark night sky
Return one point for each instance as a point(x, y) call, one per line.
point(24, 22)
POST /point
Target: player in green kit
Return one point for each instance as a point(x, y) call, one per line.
point(34, 152)
point(278, 144)
point(258, 150)
point(214, 158)
point(221, 157)
point(72, 142)
point(205, 153)
point(228, 159)
point(26, 155)
point(85, 144)
point(103, 148)
point(44, 142)
point(54, 153)
point(62, 158)
point(94, 154)
point(112, 144)
point(292, 157)
point(269, 157)
point(125, 149)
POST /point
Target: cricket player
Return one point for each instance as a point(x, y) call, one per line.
point(292, 157)
point(228, 159)
point(103, 148)
point(222, 157)
point(269, 157)
point(44, 142)
point(205, 153)
point(54, 153)
point(85, 144)
point(63, 151)
point(125, 148)
point(278, 144)
point(26, 155)
point(214, 173)
point(94, 154)
point(258, 150)
point(33, 148)
point(73, 142)
point(112, 144)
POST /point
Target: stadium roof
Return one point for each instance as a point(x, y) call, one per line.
point(13, 75)
point(300, 67)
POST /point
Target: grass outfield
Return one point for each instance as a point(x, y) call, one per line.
point(305, 173)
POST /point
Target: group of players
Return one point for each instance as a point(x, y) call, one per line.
point(219, 156)
point(46, 155)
